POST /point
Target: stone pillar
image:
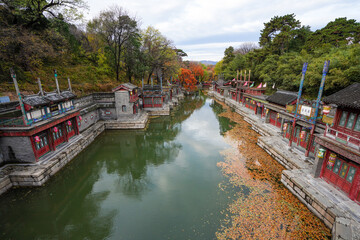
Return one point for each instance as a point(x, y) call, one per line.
point(315, 171)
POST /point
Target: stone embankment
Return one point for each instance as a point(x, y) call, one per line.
point(32, 175)
point(93, 109)
point(333, 207)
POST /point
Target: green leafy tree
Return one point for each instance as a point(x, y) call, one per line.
point(278, 33)
point(35, 13)
point(342, 31)
point(161, 58)
point(228, 55)
point(116, 28)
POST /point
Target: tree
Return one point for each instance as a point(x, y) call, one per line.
point(35, 13)
point(160, 56)
point(245, 48)
point(342, 31)
point(116, 28)
point(187, 79)
point(133, 57)
point(278, 33)
point(228, 55)
point(197, 70)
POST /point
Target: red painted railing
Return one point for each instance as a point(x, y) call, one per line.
point(342, 137)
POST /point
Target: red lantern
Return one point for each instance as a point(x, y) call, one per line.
point(69, 123)
point(80, 118)
point(302, 135)
point(37, 139)
point(56, 129)
point(326, 109)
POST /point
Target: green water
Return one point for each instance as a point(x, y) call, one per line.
point(160, 183)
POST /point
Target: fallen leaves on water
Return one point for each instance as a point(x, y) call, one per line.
point(263, 208)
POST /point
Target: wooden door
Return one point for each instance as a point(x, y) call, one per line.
point(42, 146)
point(341, 174)
point(70, 130)
point(58, 135)
point(273, 118)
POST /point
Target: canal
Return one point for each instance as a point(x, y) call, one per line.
point(181, 178)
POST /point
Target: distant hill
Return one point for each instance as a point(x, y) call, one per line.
point(206, 62)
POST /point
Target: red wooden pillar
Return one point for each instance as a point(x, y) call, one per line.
point(152, 101)
point(326, 156)
point(292, 132)
point(64, 129)
point(49, 132)
point(310, 141)
point(76, 128)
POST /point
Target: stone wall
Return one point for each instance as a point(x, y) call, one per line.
point(2, 158)
point(122, 104)
point(83, 101)
point(104, 97)
point(107, 113)
point(38, 174)
point(17, 149)
point(307, 196)
point(90, 116)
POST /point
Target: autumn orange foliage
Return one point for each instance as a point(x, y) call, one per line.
point(187, 79)
point(264, 208)
point(197, 70)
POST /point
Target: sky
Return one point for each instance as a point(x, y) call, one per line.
point(205, 28)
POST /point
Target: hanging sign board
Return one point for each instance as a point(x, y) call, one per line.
point(305, 110)
point(321, 153)
point(332, 159)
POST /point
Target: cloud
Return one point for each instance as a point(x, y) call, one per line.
point(189, 22)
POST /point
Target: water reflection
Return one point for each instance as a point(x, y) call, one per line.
point(225, 123)
point(151, 184)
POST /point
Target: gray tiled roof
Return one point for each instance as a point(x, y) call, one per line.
point(282, 97)
point(348, 97)
point(35, 100)
point(67, 94)
point(54, 97)
point(130, 86)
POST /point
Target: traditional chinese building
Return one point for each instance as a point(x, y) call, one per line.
point(339, 153)
point(254, 99)
point(152, 96)
point(126, 99)
point(38, 125)
point(277, 103)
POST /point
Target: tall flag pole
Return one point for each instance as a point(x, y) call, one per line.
point(56, 81)
point(249, 74)
point(245, 75)
point(298, 101)
point(22, 107)
point(313, 119)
